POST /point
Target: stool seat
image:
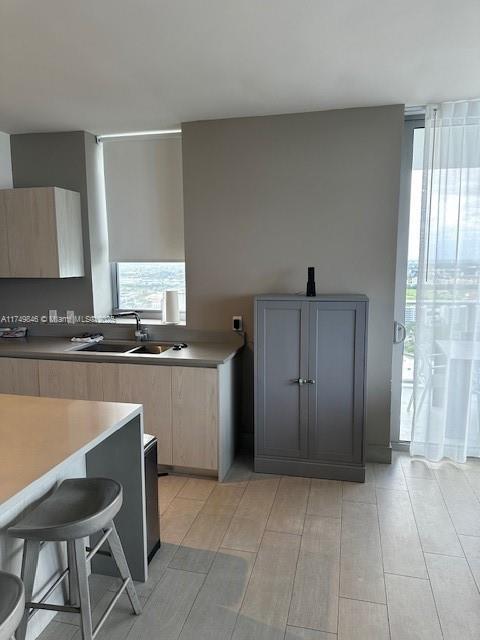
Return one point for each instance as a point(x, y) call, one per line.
point(77, 508)
point(12, 603)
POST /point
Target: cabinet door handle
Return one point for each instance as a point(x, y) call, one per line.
point(301, 381)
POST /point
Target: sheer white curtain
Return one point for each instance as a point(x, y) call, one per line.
point(447, 342)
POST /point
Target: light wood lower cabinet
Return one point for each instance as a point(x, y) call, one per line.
point(195, 417)
point(189, 409)
point(140, 384)
point(76, 380)
point(148, 385)
point(19, 376)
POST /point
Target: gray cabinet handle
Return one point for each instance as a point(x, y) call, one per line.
point(301, 381)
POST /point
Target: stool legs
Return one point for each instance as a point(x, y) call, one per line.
point(72, 575)
point(121, 562)
point(31, 550)
point(83, 590)
point(78, 592)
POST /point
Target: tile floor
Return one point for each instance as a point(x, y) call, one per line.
point(281, 558)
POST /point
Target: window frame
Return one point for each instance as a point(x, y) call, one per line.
point(153, 314)
point(412, 122)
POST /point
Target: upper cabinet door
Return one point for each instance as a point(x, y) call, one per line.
point(281, 403)
point(337, 365)
point(41, 228)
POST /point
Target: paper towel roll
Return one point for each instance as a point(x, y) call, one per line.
point(171, 312)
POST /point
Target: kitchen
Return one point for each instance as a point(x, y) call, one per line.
point(186, 380)
point(192, 383)
point(201, 267)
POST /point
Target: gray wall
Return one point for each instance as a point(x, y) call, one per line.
point(65, 160)
point(266, 197)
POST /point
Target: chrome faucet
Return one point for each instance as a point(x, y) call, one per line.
point(141, 333)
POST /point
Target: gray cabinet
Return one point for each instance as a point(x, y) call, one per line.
point(309, 385)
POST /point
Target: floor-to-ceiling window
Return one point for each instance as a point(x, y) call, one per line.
point(415, 204)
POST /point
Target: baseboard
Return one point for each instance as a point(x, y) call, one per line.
point(164, 469)
point(401, 446)
point(379, 453)
point(309, 469)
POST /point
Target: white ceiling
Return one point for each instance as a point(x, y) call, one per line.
point(123, 65)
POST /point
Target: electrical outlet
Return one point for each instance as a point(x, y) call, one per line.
point(52, 316)
point(70, 316)
point(237, 323)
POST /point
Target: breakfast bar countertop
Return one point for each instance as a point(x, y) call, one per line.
point(43, 441)
point(39, 434)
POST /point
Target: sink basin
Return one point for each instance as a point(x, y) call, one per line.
point(148, 348)
point(151, 349)
point(107, 347)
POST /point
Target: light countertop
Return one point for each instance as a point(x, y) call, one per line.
point(200, 354)
point(38, 434)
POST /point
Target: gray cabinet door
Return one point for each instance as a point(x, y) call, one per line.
point(281, 404)
point(337, 364)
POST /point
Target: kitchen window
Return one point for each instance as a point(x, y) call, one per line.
point(140, 286)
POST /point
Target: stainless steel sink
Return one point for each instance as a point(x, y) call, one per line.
point(154, 349)
point(125, 349)
point(107, 347)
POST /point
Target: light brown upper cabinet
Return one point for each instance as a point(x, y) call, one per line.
point(40, 233)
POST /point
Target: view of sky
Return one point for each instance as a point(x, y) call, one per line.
point(416, 194)
point(455, 213)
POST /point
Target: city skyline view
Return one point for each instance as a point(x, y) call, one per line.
point(141, 285)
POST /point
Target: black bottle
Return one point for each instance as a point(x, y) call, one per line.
point(311, 283)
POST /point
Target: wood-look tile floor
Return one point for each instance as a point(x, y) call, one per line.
point(263, 557)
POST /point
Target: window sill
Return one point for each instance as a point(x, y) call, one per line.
point(148, 321)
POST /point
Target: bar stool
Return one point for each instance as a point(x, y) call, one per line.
point(12, 604)
point(77, 508)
